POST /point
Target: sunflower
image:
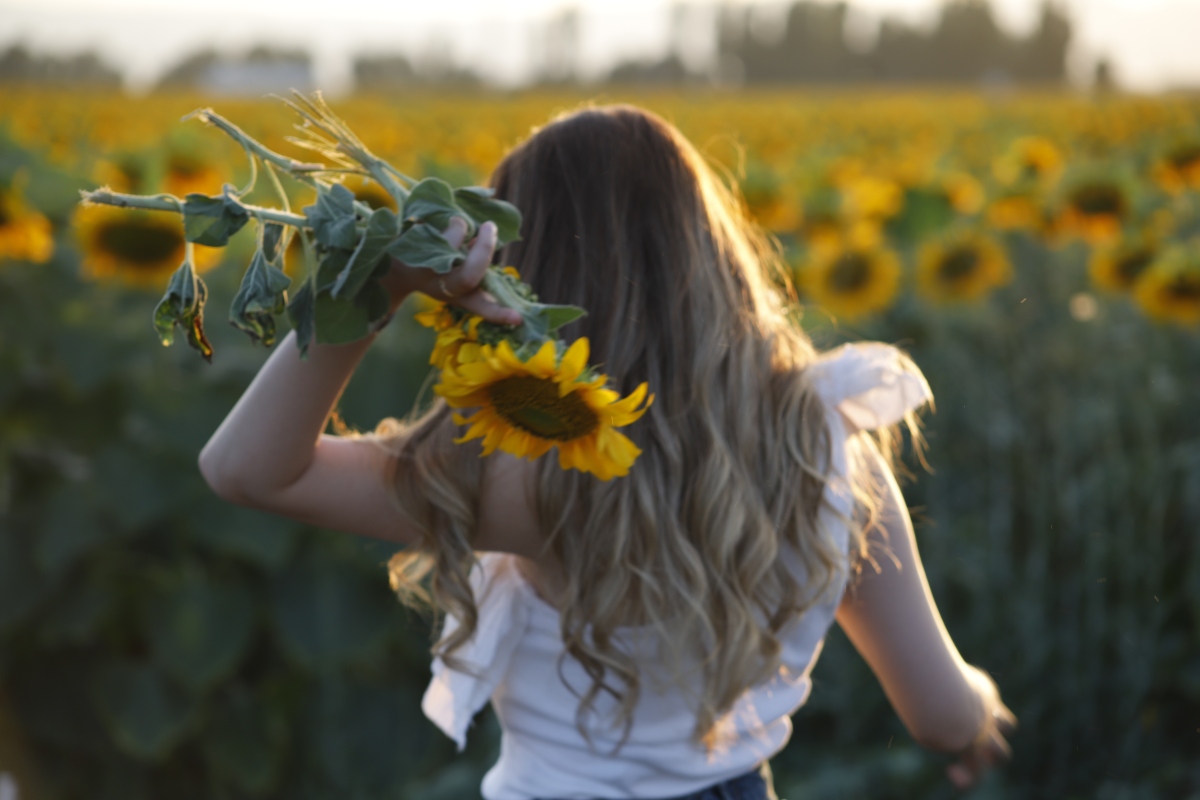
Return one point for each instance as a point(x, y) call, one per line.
point(527, 407)
point(964, 193)
point(1016, 210)
point(1031, 160)
point(1179, 168)
point(186, 173)
point(1169, 289)
point(962, 267)
point(139, 248)
point(25, 235)
point(1095, 210)
point(1117, 267)
point(371, 193)
point(457, 331)
point(852, 278)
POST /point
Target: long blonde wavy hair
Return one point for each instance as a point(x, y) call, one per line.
point(623, 217)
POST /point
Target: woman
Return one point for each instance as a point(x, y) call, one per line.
point(647, 636)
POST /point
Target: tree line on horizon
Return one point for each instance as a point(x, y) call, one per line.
point(965, 45)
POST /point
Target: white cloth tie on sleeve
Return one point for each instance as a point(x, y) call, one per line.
point(871, 383)
point(454, 697)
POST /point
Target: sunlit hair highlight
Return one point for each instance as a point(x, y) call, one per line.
point(623, 217)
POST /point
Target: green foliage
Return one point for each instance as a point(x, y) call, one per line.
point(158, 642)
point(262, 295)
point(212, 220)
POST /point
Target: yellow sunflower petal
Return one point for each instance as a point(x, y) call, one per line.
point(573, 363)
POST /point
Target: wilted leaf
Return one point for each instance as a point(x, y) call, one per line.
point(479, 203)
point(332, 217)
point(431, 201)
point(212, 220)
point(183, 305)
point(145, 715)
point(343, 320)
point(381, 231)
point(300, 315)
point(272, 239)
point(422, 246)
point(262, 295)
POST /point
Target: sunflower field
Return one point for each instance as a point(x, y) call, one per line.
point(1038, 256)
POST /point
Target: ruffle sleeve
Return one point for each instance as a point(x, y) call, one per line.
point(872, 384)
point(453, 698)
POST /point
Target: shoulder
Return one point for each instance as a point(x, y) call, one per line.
point(872, 384)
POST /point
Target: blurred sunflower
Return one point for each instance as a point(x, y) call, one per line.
point(964, 192)
point(138, 248)
point(527, 407)
point(962, 267)
point(371, 193)
point(1031, 160)
point(188, 172)
point(25, 234)
point(1179, 169)
point(1169, 289)
point(1016, 211)
point(1117, 267)
point(1095, 210)
point(851, 279)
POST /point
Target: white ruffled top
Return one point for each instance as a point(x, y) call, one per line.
point(515, 650)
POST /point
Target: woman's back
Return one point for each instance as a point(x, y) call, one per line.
point(751, 500)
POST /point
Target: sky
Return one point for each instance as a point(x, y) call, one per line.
point(1151, 42)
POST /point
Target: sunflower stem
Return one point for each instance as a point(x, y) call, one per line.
point(168, 202)
point(297, 169)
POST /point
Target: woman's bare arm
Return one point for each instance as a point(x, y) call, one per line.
point(891, 618)
point(270, 452)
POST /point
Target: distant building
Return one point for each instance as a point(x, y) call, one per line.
point(261, 71)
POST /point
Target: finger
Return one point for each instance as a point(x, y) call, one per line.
point(960, 776)
point(455, 232)
point(483, 304)
point(463, 279)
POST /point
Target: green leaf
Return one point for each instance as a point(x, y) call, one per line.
point(70, 529)
point(242, 743)
point(212, 220)
point(183, 305)
point(266, 540)
point(422, 246)
point(327, 612)
point(301, 316)
point(431, 201)
point(199, 629)
point(332, 217)
point(333, 262)
point(479, 203)
point(145, 715)
point(22, 586)
point(262, 295)
point(557, 316)
point(381, 231)
point(342, 320)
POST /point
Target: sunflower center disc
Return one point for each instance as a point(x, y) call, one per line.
point(1100, 201)
point(533, 405)
point(958, 264)
point(1184, 289)
point(140, 244)
point(852, 271)
point(1130, 267)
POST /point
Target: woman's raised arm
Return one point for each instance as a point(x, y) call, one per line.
point(890, 616)
point(270, 452)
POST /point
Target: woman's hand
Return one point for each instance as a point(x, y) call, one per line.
point(461, 285)
point(990, 747)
